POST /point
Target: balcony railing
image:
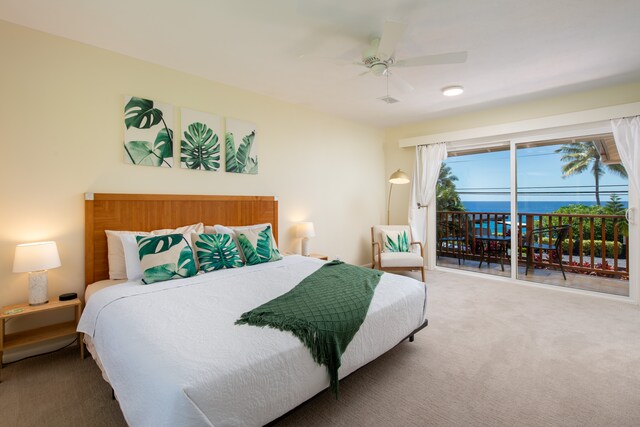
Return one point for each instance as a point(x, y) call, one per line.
point(595, 245)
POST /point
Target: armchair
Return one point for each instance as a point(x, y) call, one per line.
point(411, 260)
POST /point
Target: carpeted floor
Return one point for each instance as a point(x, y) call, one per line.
point(494, 354)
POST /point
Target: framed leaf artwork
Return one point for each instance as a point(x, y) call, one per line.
point(241, 147)
point(200, 144)
point(148, 132)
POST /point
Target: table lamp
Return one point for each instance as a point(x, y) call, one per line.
point(306, 231)
point(36, 259)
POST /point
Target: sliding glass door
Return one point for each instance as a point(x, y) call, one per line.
point(546, 211)
point(473, 215)
point(571, 207)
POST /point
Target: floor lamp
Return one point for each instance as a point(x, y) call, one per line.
point(398, 177)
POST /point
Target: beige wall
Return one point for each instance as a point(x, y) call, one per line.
point(403, 158)
point(61, 129)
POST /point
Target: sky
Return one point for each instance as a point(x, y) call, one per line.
point(488, 173)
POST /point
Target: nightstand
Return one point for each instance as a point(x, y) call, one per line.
point(319, 256)
point(19, 339)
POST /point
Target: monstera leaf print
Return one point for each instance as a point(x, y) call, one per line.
point(262, 252)
point(165, 257)
point(399, 245)
point(140, 113)
point(240, 161)
point(150, 245)
point(200, 148)
point(151, 154)
point(216, 251)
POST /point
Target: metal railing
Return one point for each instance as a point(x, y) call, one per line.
point(595, 246)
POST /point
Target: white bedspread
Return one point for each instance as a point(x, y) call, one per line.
point(174, 357)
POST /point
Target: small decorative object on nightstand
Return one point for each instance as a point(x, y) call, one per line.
point(306, 231)
point(19, 339)
point(36, 259)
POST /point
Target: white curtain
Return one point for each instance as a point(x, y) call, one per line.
point(626, 133)
point(426, 169)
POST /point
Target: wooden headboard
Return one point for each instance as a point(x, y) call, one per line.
point(146, 212)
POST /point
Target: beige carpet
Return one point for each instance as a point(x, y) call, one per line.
point(494, 354)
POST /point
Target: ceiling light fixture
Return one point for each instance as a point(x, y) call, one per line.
point(452, 90)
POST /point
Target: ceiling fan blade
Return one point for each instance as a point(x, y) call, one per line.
point(443, 58)
point(391, 35)
point(399, 83)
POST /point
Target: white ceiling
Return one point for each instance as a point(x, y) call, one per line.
point(300, 51)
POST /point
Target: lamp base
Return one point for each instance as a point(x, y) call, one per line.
point(38, 288)
point(305, 247)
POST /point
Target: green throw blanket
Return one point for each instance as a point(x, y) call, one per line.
point(324, 311)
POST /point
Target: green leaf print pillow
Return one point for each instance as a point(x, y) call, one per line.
point(165, 257)
point(258, 248)
point(395, 241)
point(216, 251)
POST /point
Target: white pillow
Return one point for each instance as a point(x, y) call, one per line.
point(186, 230)
point(132, 256)
point(115, 252)
point(118, 262)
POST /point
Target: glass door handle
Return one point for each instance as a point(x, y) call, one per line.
point(628, 214)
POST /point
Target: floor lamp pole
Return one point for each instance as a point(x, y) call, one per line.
point(389, 204)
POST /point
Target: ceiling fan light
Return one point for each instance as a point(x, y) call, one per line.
point(452, 90)
point(379, 69)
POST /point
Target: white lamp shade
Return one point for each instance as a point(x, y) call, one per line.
point(36, 257)
point(306, 230)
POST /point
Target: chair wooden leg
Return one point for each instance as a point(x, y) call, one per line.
point(423, 274)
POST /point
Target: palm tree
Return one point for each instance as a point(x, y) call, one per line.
point(446, 194)
point(580, 156)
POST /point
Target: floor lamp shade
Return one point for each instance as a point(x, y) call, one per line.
point(306, 231)
point(398, 177)
point(36, 259)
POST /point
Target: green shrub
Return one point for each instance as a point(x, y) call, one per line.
point(586, 228)
point(586, 248)
point(597, 249)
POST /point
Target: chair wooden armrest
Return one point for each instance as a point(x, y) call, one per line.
point(373, 255)
point(421, 248)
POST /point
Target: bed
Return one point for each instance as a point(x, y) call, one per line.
point(171, 351)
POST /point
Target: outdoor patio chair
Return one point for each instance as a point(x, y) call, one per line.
point(391, 249)
point(451, 239)
point(557, 235)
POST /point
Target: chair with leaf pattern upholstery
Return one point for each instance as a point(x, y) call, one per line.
point(392, 249)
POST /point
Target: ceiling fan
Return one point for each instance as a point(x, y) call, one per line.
point(379, 57)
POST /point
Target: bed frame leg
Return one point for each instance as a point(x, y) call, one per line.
point(411, 338)
point(113, 394)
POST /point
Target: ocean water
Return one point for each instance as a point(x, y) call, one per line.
point(539, 206)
